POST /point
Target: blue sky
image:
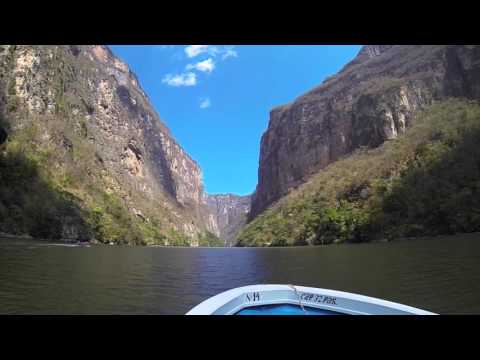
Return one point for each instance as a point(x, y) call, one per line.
point(216, 99)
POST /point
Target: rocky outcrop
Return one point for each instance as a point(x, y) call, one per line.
point(372, 99)
point(88, 89)
point(227, 214)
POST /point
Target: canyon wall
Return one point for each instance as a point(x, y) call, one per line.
point(82, 101)
point(372, 99)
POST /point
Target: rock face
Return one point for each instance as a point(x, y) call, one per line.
point(372, 99)
point(227, 214)
point(101, 99)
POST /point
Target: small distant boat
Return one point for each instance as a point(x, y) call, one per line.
point(298, 300)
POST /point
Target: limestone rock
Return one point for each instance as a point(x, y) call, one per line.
point(90, 89)
point(372, 99)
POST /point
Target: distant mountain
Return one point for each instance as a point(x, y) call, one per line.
point(228, 214)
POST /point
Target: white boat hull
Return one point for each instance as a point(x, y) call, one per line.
point(232, 301)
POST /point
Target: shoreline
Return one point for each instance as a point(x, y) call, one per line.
point(29, 237)
point(13, 236)
point(379, 241)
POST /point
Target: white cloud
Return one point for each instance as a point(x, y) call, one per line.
point(186, 79)
point(215, 54)
point(229, 52)
point(205, 66)
point(224, 51)
point(205, 103)
point(194, 50)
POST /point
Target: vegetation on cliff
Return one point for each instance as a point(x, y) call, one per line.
point(424, 183)
point(43, 197)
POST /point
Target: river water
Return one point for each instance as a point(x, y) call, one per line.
point(441, 275)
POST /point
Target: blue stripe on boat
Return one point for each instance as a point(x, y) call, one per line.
point(284, 309)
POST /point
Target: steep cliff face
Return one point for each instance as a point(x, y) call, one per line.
point(424, 183)
point(87, 107)
point(372, 99)
point(227, 214)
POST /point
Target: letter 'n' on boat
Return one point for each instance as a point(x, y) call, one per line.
point(298, 300)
